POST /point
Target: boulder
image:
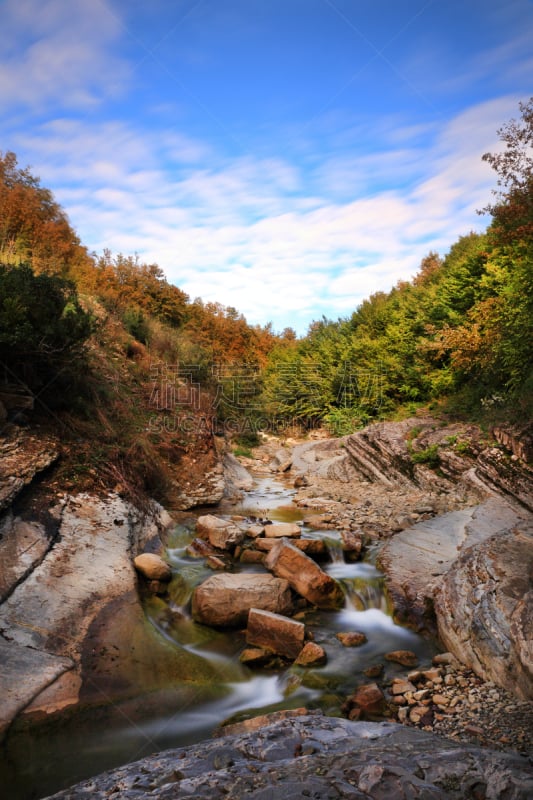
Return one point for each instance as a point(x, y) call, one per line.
point(304, 575)
point(224, 600)
point(220, 533)
point(275, 632)
point(484, 610)
point(152, 567)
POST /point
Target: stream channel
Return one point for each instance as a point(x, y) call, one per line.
point(43, 760)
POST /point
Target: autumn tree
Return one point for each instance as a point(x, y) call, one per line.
point(34, 229)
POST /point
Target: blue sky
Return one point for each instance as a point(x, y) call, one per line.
point(287, 158)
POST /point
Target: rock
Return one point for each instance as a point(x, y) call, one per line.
point(374, 671)
point(220, 533)
point(275, 632)
point(304, 575)
point(351, 639)
point(352, 543)
point(224, 600)
point(152, 567)
point(214, 562)
point(517, 439)
point(252, 557)
point(325, 458)
point(26, 672)
point(369, 700)
point(254, 531)
point(416, 560)
point(312, 547)
point(401, 686)
point(404, 657)
point(312, 655)
point(322, 756)
point(255, 656)
point(237, 479)
point(279, 529)
point(22, 456)
point(497, 472)
point(263, 720)
point(488, 592)
point(285, 466)
point(199, 548)
point(23, 545)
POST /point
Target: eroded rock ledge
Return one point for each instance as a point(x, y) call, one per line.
point(318, 757)
point(73, 630)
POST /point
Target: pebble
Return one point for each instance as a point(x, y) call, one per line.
point(453, 701)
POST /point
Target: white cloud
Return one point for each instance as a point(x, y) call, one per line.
point(58, 52)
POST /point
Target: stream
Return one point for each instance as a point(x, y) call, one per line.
point(44, 759)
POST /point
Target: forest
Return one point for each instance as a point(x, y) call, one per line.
point(86, 333)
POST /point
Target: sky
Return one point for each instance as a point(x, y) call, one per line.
point(284, 157)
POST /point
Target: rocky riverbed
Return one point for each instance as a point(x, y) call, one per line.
point(444, 531)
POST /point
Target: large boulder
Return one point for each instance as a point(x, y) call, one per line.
point(220, 533)
point(275, 632)
point(484, 608)
point(313, 756)
point(223, 601)
point(304, 575)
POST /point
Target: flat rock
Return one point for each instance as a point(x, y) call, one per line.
point(320, 757)
point(279, 529)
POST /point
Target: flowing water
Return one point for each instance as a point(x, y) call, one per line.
point(44, 759)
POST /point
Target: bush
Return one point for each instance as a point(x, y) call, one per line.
point(43, 330)
point(429, 456)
